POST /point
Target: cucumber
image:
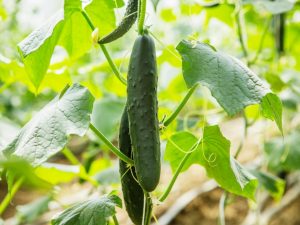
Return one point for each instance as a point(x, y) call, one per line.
point(142, 112)
point(132, 192)
point(125, 24)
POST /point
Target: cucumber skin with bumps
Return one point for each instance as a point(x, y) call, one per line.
point(132, 192)
point(142, 112)
point(126, 23)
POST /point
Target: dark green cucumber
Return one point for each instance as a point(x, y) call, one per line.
point(142, 112)
point(132, 192)
point(126, 23)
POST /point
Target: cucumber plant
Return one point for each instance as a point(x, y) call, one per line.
point(231, 83)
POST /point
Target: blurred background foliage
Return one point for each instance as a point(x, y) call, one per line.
point(263, 34)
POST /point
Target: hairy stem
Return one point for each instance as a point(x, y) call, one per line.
point(114, 149)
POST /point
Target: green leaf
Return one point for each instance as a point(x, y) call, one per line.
point(106, 115)
point(177, 146)
point(30, 212)
point(91, 212)
point(36, 50)
point(213, 154)
point(46, 133)
point(67, 28)
point(284, 154)
point(17, 168)
point(13, 72)
point(102, 14)
point(57, 173)
point(233, 84)
point(274, 185)
point(76, 34)
point(272, 109)
point(219, 165)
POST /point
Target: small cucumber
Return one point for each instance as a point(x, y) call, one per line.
point(125, 24)
point(132, 192)
point(142, 112)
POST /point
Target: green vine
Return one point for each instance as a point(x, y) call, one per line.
point(142, 15)
point(114, 149)
point(105, 52)
point(180, 106)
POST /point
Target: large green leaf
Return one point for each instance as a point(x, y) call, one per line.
point(232, 84)
point(213, 153)
point(46, 133)
point(75, 37)
point(91, 212)
point(36, 50)
point(69, 29)
point(284, 154)
point(222, 167)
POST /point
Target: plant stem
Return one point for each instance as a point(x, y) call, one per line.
point(70, 156)
point(261, 43)
point(115, 220)
point(112, 65)
point(114, 149)
point(9, 196)
point(222, 205)
point(240, 28)
point(180, 106)
point(147, 212)
point(105, 52)
point(141, 16)
point(178, 170)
